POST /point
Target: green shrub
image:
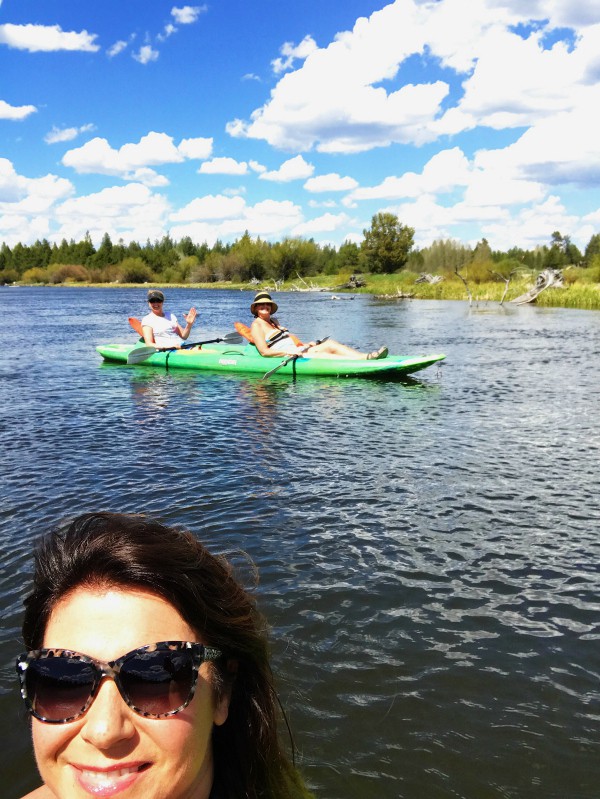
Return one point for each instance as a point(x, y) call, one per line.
point(478, 272)
point(67, 273)
point(8, 276)
point(135, 270)
point(35, 275)
point(505, 268)
point(202, 274)
point(573, 275)
point(592, 273)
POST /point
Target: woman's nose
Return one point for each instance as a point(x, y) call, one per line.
point(108, 720)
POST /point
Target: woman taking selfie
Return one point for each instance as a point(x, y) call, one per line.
point(146, 672)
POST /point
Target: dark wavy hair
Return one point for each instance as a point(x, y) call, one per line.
point(130, 550)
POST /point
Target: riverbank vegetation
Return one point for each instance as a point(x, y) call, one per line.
point(388, 263)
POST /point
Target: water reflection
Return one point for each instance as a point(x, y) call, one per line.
point(152, 393)
point(427, 549)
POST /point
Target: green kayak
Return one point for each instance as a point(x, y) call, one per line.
point(234, 358)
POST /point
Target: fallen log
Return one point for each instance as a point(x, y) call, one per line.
point(549, 278)
point(355, 282)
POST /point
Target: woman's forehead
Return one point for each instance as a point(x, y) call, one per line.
point(107, 622)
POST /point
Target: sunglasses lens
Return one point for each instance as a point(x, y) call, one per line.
point(59, 688)
point(158, 682)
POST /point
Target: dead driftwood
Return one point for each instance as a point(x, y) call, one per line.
point(425, 277)
point(466, 285)
point(277, 284)
point(506, 281)
point(549, 278)
point(355, 282)
point(307, 286)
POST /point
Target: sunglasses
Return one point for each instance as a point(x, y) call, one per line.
point(156, 681)
point(153, 302)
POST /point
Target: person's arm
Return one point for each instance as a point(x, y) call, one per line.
point(148, 334)
point(190, 318)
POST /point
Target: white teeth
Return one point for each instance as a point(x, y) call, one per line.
point(105, 779)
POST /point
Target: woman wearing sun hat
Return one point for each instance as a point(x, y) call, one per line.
point(272, 340)
point(160, 327)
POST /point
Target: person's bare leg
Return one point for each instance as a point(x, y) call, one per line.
point(333, 349)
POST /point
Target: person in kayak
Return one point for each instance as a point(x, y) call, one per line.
point(272, 340)
point(161, 328)
point(147, 670)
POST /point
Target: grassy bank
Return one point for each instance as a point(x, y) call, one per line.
point(577, 295)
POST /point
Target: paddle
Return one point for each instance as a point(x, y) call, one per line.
point(293, 357)
point(140, 354)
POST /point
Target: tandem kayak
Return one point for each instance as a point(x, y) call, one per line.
point(245, 358)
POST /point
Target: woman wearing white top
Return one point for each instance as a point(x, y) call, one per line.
point(160, 328)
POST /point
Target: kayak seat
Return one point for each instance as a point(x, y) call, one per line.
point(244, 331)
point(137, 326)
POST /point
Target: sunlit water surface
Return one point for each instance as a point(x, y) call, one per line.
point(428, 550)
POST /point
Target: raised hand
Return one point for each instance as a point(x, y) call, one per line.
point(190, 317)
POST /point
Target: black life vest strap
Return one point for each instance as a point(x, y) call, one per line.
point(277, 337)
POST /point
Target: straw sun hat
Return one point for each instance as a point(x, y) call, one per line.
point(263, 297)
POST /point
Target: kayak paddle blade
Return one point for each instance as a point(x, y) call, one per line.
point(140, 354)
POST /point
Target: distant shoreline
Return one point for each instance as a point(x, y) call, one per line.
point(389, 288)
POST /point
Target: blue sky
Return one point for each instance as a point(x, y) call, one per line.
point(467, 119)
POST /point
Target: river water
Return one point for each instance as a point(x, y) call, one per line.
point(428, 550)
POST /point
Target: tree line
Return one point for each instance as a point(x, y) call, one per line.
point(387, 247)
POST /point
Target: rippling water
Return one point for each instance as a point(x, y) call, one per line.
point(428, 550)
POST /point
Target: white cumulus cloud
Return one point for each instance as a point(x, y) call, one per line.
point(210, 208)
point(293, 169)
point(186, 15)
point(22, 198)
point(146, 54)
point(98, 157)
point(46, 38)
point(131, 212)
point(15, 112)
point(444, 172)
point(66, 134)
point(168, 30)
point(326, 223)
point(362, 91)
point(223, 166)
point(116, 48)
point(290, 53)
point(330, 182)
point(198, 148)
point(219, 217)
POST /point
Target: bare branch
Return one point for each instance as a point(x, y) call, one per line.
point(466, 285)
